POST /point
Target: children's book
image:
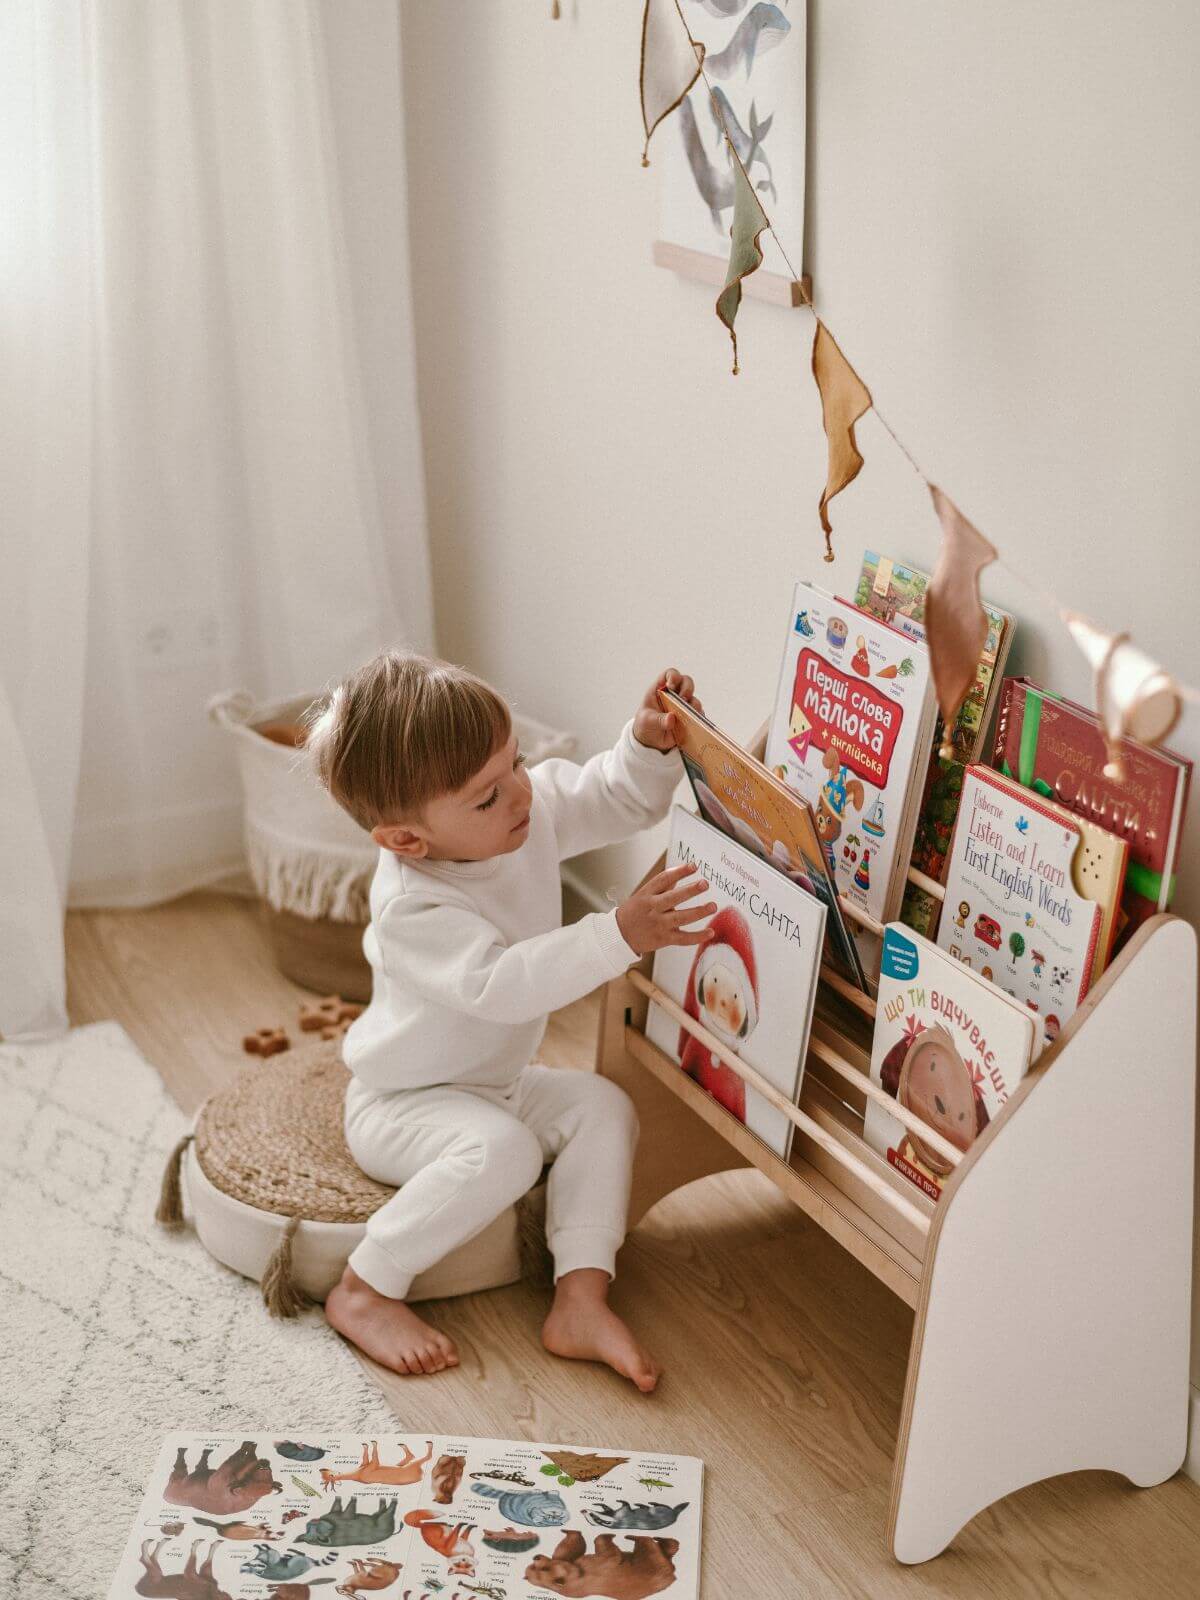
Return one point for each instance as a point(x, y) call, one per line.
point(896, 594)
point(1057, 748)
point(234, 1518)
point(1032, 895)
point(737, 794)
point(948, 1046)
point(853, 721)
point(753, 982)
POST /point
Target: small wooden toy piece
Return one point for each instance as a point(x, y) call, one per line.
point(330, 1012)
point(266, 1042)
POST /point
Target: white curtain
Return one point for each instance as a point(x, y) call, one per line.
point(210, 460)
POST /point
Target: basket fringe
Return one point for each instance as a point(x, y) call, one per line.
point(169, 1213)
point(309, 883)
point(281, 1294)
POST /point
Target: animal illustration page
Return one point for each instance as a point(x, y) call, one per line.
point(412, 1517)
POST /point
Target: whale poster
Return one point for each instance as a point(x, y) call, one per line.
point(756, 62)
point(226, 1517)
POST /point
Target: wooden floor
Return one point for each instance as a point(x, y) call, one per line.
point(785, 1360)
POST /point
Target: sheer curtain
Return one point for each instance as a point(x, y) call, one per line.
point(210, 460)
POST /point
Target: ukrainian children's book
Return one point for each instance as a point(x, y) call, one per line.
point(752, 984)
point(948, 1046)
point(1032, 894)
point(896, 594)
point(231, 1518)
point(851, 730)
point(1057, 748)
point(737, 794)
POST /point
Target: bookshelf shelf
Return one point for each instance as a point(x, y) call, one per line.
point(1051, 1283)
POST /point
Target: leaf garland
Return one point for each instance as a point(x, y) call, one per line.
point(671, 62)
point(745, 255)
point(955, 622)
point(845, 398)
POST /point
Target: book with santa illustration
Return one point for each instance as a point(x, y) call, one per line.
point(949, 1047)
point(751, 984)
point(853, 721)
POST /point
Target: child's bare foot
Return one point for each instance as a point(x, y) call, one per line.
point(583, 1327)
point(387, 1330)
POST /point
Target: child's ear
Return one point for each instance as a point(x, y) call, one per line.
point(401, 841)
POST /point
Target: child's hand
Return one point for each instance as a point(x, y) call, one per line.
point(656, 914)
point(654, 727)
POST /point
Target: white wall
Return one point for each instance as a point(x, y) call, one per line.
point(1002, 232)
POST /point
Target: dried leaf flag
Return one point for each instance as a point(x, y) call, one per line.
point(671, 62)
point(745, 257)
point(1135, 697)
point(955, 622)
point(844, 399)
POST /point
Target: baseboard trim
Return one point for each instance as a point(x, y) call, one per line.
point(1191, 1462)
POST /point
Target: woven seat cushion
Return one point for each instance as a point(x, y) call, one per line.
point(274, 1140)
point(271, 1147)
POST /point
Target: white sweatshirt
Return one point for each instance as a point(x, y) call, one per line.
point(469, 957)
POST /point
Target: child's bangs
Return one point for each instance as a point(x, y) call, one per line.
point(475, 724)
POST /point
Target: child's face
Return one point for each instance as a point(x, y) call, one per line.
point(488, 816)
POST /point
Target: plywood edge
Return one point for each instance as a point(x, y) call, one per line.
point(816, 1195)
point(1073, 1034)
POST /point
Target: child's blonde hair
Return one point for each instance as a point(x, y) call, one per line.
point(400, 731)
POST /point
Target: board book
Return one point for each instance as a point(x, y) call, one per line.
point(739, 796)
point(949, 1046)
point(226, 1517)
point(853, 721)
point(895, 593)
point(752, 984)
point(1032, 895)
point(1057, 748)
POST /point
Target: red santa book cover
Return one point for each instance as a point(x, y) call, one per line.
point(751, 984)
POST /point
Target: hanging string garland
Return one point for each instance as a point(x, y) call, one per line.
point(956, 624)
point(845, 400)
point(671, 63)
point(1135, 697)
point(745, 254)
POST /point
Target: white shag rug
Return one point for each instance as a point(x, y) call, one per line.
point(114, 1333)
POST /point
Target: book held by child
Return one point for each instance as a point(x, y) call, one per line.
point(948, 1046)
point(739, 796)
point(751, 984)
point(853, 721)
point(1032, 894)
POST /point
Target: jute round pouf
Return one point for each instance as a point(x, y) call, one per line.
point(274, 1192)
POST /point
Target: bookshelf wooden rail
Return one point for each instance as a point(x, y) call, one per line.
point(1051, 1283)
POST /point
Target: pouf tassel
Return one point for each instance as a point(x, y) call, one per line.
point(170, 1196)
point(280, 1294)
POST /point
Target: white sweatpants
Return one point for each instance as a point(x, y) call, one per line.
point(460, 1155)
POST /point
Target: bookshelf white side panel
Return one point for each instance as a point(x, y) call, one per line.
point(1053, 1331)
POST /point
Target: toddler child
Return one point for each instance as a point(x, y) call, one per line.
point(469, 955)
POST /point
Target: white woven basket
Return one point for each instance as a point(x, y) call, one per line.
point(305, 854)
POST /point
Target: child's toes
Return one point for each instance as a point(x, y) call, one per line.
point(446, 1349)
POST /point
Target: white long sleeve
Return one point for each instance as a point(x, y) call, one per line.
point(452, 955)
point(469, 958)
point(613, 795)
